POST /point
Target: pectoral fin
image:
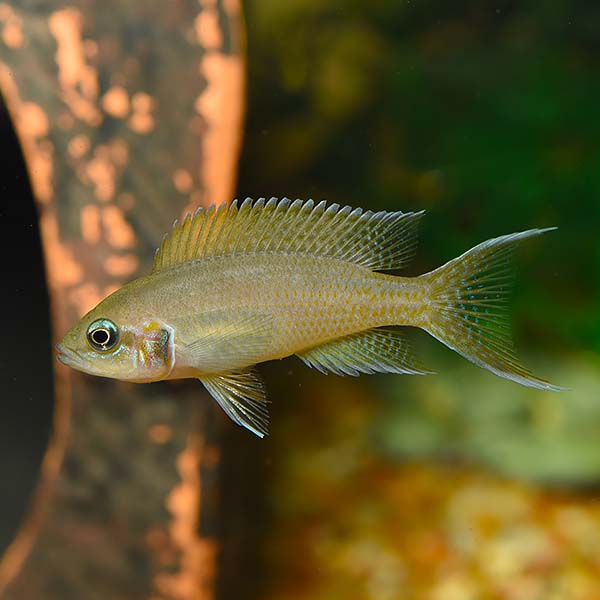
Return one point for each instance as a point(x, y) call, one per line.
point(241, 395)
point(218, 341)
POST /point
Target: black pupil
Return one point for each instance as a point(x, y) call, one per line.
point(101, 336)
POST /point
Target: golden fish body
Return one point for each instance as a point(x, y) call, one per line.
point(238, 286)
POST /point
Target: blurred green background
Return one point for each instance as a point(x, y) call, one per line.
point(459, 485)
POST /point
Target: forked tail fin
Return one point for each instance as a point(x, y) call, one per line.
point(468, 303)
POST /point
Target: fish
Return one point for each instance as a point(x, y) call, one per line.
point(240, 284)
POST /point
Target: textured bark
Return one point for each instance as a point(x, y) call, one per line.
point(128, 113)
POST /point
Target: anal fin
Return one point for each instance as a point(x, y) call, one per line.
point(371, 351)
point(241, 394)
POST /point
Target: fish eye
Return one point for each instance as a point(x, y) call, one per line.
point(102, 335)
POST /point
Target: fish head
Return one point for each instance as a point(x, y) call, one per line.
point(107, 342)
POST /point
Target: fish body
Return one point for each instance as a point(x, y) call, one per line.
point(302, 301)
point(236, 286)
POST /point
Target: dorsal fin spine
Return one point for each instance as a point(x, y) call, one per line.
point(306, 208)
point(214, 227)
point(177, 246)
point(338, 215)
point(203, 231)
point(183, 239)
point(253, 219)
point(345, 232)
point(220, 232)
point(355, 214)
point(267, 215)
point(280, 208)
point(347, 249)
point(167, 247)
point(196, 225)
point(289, 214)
point(166, 258)
point(297, 211)
point(241, 220)
point(266, 222)
point(293, 208)
point(321, 209)
point(226, 220)
point(212, 233)
point(330, 210)
point(200, 223)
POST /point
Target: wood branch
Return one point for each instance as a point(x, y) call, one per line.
point(128, 113)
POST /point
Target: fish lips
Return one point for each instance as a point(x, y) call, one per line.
point(67, 357)
point(79, 362)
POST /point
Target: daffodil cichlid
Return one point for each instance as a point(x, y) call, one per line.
point(241, 284)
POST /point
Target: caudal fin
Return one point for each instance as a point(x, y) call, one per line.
point(469, 313)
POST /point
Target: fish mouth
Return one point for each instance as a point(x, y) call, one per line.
point(66, 356)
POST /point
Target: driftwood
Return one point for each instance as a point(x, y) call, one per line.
point(128, 113)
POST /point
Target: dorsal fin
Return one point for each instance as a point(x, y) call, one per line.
point(377, 240)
